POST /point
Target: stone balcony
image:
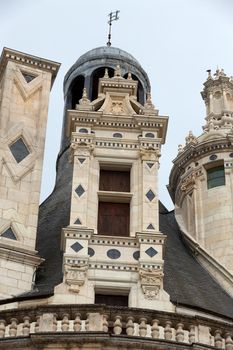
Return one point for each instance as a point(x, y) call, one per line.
point(108, 327)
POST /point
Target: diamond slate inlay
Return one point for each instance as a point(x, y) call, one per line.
point(151, 252)
point(9, 234)
point(80, 190)
point(19, 150)
point(150, 195)
point(76, 247)
point(28, 77)
point(150, 227)
point(150, 165)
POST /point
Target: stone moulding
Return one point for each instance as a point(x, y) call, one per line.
point(60, 324)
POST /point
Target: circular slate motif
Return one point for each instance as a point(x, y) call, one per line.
point(136, 255)
point(231, 155)
point(91, 252)
point(213, 157)
point(113, 253)
point(117, 134)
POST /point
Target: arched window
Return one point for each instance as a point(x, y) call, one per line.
point(117, 134)
point(140, 91)
point(83, 130)
point(150, 135)
point(76, 90)
point(96, 75)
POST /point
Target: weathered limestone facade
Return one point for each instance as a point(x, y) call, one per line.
point(25, 83)
point(115, 132)
point(205, 210)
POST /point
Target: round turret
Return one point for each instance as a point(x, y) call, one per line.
point(90, 67)
point(201, 179)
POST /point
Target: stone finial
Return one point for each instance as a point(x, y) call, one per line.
point(129, 77)
point(106, 73)
point(219, 73)
point(180, 148)
point(190, 138)
point(149, 108)
point(117, 72)
point(84, 100)
point(209, 74)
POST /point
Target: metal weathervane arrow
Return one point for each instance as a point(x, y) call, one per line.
point(113, 16)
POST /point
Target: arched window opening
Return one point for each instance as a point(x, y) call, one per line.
point(96, 75)
point(215, 174)
point(150, 135)
point(140, 91)
point(83, 130)
point(76, 90)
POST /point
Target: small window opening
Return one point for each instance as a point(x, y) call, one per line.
point(96, 75)
point(77, 90)
point(215, 177)
point(113, 300)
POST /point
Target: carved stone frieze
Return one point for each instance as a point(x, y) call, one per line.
point(75, 276)
point(151, 282)
point(80, 148)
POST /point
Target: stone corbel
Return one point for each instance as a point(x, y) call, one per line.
point(151, 282)
point(75, 276)
point(149, 154)
point(80, 149)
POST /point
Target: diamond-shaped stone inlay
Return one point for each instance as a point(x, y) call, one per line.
point(77, 222)
point(9, 234)
point(80, 190)
point(151, 252)
point(150, 165)
point(150, 227)
point(28, 77)
point(19, 150)
point(76, 247)
point(81, 160)
point(150, 195)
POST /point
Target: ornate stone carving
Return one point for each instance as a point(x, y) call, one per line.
point(149, 153)
point(151, 282)
point(190, 138)
point(75, 276)
point(84, 102)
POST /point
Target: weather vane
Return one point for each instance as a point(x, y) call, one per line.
point(114, 16)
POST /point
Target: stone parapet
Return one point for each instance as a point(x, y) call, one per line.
point(111, 325)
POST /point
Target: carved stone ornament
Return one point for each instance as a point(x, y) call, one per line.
point(80, 149)
point(151, 282)
point(75, 276)
point(190, 138)
point(149, 153)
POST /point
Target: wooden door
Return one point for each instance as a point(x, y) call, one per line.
point(113, 219)
point(112, 180)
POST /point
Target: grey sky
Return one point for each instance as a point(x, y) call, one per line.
point(174, 40)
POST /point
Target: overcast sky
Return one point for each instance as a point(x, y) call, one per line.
point(174, 40)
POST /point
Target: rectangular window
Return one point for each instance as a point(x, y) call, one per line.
point(113, 219)
point(215, 177)
point(114, 180)
point(116, 300)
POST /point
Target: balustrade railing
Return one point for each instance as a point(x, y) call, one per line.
point(117, 321)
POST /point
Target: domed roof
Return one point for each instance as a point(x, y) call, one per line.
point(105, 54)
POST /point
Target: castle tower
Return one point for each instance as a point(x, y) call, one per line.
point(112, 245)
point(202, 176)
point(25, 83)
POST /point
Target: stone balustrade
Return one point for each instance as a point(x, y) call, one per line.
point(118, 321)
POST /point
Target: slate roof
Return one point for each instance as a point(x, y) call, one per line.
point(185, 280)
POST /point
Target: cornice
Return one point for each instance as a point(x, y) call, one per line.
point(29, 60)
